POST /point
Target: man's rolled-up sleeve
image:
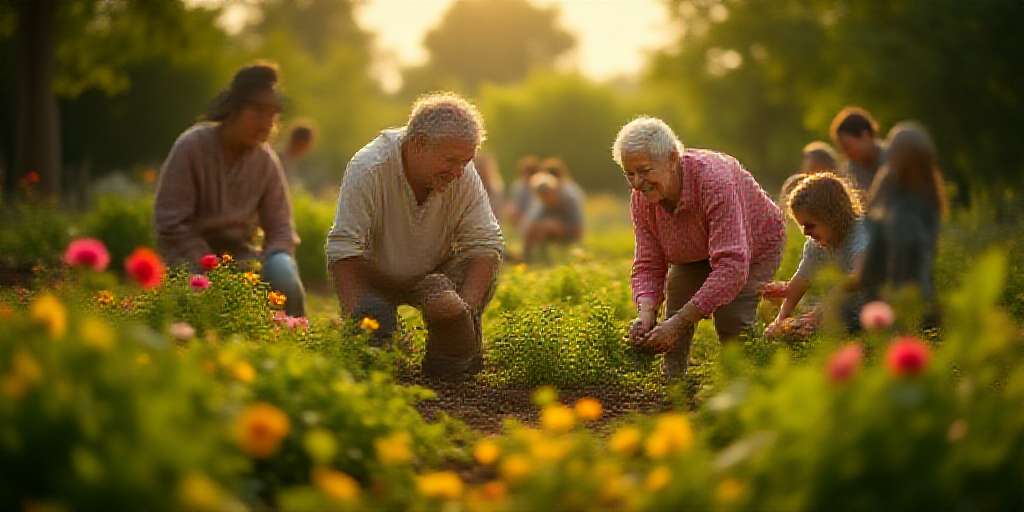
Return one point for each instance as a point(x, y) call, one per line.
point(477, 229)
point(353, 220)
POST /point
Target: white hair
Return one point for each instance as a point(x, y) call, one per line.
point(647, 135)
point(445, 115)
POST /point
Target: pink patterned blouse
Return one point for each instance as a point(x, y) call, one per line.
point(723, 215)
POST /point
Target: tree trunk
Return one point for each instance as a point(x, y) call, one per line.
point(37, 128)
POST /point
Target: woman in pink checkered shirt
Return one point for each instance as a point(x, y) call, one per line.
point(707, 237)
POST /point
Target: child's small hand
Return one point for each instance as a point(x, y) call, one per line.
point(774, 329)
point(774, 289)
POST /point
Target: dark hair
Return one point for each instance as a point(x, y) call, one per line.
point(247, 82)
point(854, 121)
point(911, 168)
point(301, 132)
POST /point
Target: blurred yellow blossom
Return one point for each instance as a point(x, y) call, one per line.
point(729, 490)
point(658, 478)
point(197, 492)
point(393, 449)
point(588, 409)
point(260, 428)
point(487, 452)
point(48, 311)
point(105, 298)
point(143, 359)
point(25, 371)
point(515, 467)
point(243, 371)
point(277, 298)
point(97, 334)
point(336, 485)
point(672, 433)
point(320, 445)
point(369, 324)
point(557, 418)
point(625, 440)
point(441, 484)
point(549, 449)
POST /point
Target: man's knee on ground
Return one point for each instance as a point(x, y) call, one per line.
point(443, 306)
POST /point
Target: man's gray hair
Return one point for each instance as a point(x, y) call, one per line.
point(445, 115)
point(646, 135)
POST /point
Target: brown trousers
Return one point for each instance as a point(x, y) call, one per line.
point(454, 343)
point(731, 320)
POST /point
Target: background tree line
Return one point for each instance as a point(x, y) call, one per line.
point(98, 86)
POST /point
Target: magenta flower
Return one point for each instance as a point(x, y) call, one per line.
point(209, 261)
point(907, 355)
point(87, 252)
point(199, 282)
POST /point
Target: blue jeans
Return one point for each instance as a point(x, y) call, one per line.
point(280, 270)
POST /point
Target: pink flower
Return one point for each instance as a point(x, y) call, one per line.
point(845, 362)
point(209, 261)
point(907, 355)
point(182, 331)
point(199, 282)
point(87, 252)
point(297, 322)
point(876, 315)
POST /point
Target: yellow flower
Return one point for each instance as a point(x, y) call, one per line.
point(336, 485)
point(487, 452)
point(369, 324)
point(277, 298)
point(658, 478)
point(515, 467)
point(197, 492)
point(393, 449)
point(260, 429)
point(672, 433)
point(521, 267)
point(320, 445)
point(588, 409)
point(550, 450)
point(243, 371)
point(252, 278)
point(105, 298)
point(25, 371)
point(49, 311)
point(441, 484)
point(557, 418)
point(143, 359)
point(97, 334)
point(730, 490)
point(625, 440)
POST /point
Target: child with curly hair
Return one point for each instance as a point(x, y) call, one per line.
point(828, 210)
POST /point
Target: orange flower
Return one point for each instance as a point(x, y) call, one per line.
point(226, 258)
point(277, 298)
point(145, 267)
point(486, 452)
point(556, 418)
point(105, 298)
point(369, 324)
point(252, 278)
point(588, 409)
point(441, 485)
point(260, 429)
point(336, 485)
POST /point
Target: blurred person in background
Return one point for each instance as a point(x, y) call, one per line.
point(555, 215)
point(487, 167)
point(855, 133)
point(299, 142)
point(222, 181)
point(817, 156)
point(520, 196)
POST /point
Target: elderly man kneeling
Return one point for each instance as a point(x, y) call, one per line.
point(414, 226)
point(707, 236)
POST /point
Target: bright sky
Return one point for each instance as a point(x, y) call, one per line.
point(612, 36)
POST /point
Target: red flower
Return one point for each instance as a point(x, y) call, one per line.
point(209, 261)
point(199, 282)
point(845, 362)
point(907, 356)
point(145, 267)
point(32, 178)
point(87, 252)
